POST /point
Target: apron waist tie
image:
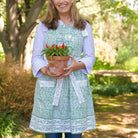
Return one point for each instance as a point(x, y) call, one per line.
point(59, 88)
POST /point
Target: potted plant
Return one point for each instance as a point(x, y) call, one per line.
point(57, 57)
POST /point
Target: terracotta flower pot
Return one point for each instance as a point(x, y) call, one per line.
point(58, 63)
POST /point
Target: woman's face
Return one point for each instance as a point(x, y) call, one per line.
point(63, 6)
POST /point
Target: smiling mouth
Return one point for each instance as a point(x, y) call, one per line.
point(62, 6)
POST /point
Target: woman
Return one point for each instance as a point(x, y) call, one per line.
point(63, 103)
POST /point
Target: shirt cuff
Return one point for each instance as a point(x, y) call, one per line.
point(36, 68)
point(88, 64)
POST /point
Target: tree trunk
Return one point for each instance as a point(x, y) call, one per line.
point(12, 28)
point(14, 37)
point(27, 53)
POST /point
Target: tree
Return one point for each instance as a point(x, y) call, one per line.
point(21, 18)
point(114, 24)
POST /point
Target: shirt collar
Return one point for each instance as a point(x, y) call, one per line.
point(60, 22)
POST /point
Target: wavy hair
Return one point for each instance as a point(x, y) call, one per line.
point(52, 17)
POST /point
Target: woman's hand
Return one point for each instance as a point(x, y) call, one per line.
point(46, 72)
point(74, 66)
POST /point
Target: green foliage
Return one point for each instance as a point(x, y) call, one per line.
point(102, 65)
point(111, 85)
point(128, 14)
point(95, 98)
point(9, 124)
point(104, 80)
point(56, 50)
point(1, 56)
point(43, 12)
point(131, 64)
point(1, 53)
point(114, 89)
point(114, 23)
point(125, 53)
point(127, 58)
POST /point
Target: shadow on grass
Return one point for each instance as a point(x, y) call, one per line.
point(116, 117)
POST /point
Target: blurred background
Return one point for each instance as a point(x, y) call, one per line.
point(114, 79)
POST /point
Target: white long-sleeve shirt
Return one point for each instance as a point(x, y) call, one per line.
point(38, 61)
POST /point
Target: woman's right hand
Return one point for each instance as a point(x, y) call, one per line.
point(46, 72)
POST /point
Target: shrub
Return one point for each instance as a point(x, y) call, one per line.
point(16, 89)
point(114, 89)
point(111, 85)
point(10, 125)
point(105, 52)
point(124, 53)
point(131, 64)
point(102, 65)
point(99, 79)
point(1, 53)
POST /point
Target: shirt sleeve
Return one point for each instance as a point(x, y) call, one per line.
point(88, 50)
point(37, 60)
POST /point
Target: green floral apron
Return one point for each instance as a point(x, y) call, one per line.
point(64, 105)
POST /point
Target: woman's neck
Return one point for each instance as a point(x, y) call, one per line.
point(66, 19)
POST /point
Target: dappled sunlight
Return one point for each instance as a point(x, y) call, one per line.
point(107, 127)
point(119, 119)
point(117, 128)
point(113, 104)
point(125, 118)
point(129, 119)
point(135, 135)
point(110, 104)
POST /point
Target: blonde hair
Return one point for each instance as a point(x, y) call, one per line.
point(52, 17)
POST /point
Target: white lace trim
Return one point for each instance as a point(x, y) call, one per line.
point(82, 83)
point(46, 83)
point(59, 125)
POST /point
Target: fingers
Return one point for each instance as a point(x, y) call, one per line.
point(72, 58)
point(66, 69)
point(65, 75)
point(47, 66)
point(52, 75)
point(48, 73)
point(59, 76)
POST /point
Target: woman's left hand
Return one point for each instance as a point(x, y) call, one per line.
point(74, 66)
